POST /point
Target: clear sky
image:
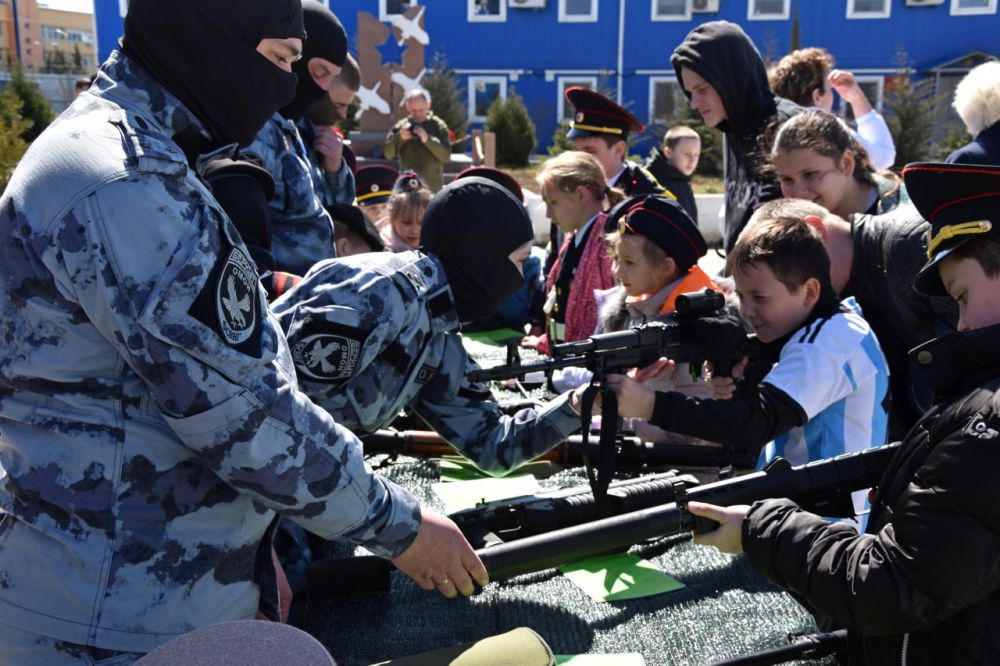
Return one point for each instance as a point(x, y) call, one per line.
point(70, 5)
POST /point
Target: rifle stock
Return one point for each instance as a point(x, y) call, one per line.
point(822, 486)
point(631, 452)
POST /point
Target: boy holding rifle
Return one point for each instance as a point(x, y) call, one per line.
point(825, 395)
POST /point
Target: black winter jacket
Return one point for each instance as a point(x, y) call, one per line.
point(673, 180)
point(889, 251)
point(923, 585)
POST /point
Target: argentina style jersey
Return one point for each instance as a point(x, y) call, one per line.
point(835, 370)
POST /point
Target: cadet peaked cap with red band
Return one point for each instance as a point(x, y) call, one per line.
point(408, 181)
point(501, 178)
point(961, 202)
point(373, 184)
point(665, 223)
point(596, 115)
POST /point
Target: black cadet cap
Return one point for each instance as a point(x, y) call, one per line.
point(350, 158)
point(665, 223)
point(358, 222)
point(961, 202)
point(373, 184)
point(596, 115)
point(499, 177)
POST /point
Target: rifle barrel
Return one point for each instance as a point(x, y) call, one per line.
point(812, 482)
point(810, 646)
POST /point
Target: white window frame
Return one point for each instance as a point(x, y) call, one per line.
point(471, 87)
point(686, 16)
point(476, 18)
point(578, 18)
point(958, 10)
point(563, 82)
point(653, 80)
point(783, 16)
point(880, 94)
point(852, 13)
point(383, 11)
point(122, 8)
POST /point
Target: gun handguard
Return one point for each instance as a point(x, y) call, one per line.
point(818, 486)
point(520, 517)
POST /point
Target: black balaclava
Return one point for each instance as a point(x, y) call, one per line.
point(205, 53)
point(327, 40)
point(472, 226)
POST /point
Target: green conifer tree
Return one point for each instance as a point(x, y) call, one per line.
point(510, 121)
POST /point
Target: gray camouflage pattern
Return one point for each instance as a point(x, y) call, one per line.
point(144, 452)
point(406, 353)
point(331, 188)
point(301, 229)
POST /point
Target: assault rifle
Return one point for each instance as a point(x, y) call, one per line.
point(800, 646)
point(520, 517)
point(823, 486)
point(630, 452)
point(697, 331)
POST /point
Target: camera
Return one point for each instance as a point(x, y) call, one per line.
point(412, 125)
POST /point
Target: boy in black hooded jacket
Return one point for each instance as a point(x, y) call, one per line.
point(724, 77)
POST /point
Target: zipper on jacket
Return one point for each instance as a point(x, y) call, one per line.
point(906, 645)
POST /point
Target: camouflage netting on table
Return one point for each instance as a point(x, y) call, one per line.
point(725, 609)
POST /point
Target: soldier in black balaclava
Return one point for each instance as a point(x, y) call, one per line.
point(152, 431)
point(302, 231)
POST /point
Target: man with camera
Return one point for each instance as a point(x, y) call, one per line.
point(421, 140)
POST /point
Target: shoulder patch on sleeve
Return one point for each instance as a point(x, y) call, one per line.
point(230, 302)
point(327, 352)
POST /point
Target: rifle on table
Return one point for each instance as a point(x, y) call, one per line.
point(630, 452)
point(698, 331)
point(823, 486)
point(801, 646)
point(507, 520)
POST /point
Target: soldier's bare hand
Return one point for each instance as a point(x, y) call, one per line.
point(421, 134)
point(440, 558)
point(330, 146)
point(728, 536)
point(405, 134)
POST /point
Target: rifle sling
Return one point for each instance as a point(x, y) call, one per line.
point(601, 478)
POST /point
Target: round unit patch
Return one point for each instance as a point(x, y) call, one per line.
point(237, 303)
point(326, 357)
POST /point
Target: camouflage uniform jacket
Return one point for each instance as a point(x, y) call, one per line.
point(377, 332)
point(151, 423)
point(301, 229)
point(331, 188)
point(427, 159)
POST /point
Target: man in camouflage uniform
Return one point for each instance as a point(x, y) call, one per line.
point(316, 111)
point(151, 425)
point(301, 227)
point(374, 333)
point(421, 140)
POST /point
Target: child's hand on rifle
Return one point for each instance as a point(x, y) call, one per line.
point(728, 536)
point(662, 369)
point(634, 399)
point(723, 388)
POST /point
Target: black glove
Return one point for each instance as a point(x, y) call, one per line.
point(243, 189)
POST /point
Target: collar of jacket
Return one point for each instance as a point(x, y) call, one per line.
point(126, 83)
point(960, 361)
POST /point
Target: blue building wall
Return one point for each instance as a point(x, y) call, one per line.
point(533, 51)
